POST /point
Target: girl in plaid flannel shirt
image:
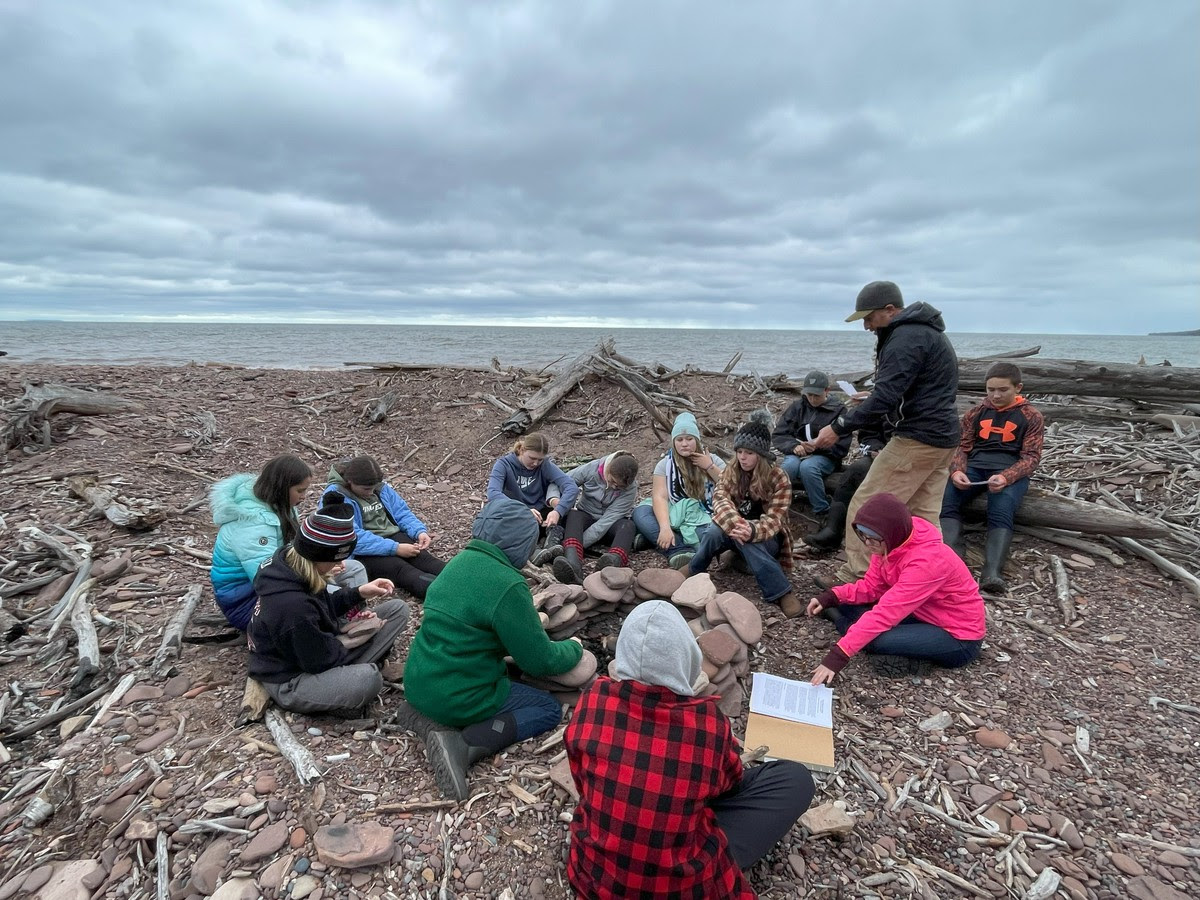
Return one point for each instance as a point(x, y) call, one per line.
point(665, 807)
point(750, 515)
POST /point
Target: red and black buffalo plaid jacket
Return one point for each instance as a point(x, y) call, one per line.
point(648, 763)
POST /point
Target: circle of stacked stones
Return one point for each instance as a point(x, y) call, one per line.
point(726, 626)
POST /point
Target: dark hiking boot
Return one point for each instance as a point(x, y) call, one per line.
point(826, 582)
point(995, 555)
point(551, 547)
point(568, 568)
point(830, 535)
point(791, 605)
point(952, 536)
point(889, 666)
point(608, 560)
point(407, 717)
point(640, 543)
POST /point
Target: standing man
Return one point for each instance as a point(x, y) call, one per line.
point(794, 435)
point(916, 384)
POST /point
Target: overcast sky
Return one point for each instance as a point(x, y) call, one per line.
point(1023, 166)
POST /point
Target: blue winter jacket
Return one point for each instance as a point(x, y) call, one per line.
point(249, 534)
point(369, 543)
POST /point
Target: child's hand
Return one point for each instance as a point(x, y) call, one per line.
point(823, 675)
point(814, 607)
point(377, 589)
point(997, 483)
point(407, 551)
point(424, 539)
point(960, 480)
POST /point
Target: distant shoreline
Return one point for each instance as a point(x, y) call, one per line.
point(1195, 332)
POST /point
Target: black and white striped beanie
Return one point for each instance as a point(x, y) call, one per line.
point(327, 535)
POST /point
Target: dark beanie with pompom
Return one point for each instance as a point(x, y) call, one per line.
point(887, 516)
point(328, 534)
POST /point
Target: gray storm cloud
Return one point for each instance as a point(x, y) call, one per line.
point(1019, 165)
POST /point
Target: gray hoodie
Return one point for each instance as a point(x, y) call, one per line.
point(510, 526)
point(656, 647)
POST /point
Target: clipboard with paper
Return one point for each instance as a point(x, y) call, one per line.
point(793, 719)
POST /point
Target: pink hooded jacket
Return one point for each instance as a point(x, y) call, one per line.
point(922, 577)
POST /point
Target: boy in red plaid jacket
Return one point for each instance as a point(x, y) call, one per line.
point(665, 808)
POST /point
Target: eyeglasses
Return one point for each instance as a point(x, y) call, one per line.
point(864, 535)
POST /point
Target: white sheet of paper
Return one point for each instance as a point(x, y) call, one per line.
point(796, 701)
point(847, 388)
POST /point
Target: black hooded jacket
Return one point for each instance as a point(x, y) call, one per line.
point(916, 381)
point(293, 631)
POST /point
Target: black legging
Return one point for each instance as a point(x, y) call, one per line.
point(413, 573)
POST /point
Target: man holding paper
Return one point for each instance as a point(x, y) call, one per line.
point(916, 385)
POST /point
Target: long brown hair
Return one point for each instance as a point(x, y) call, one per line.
point(755, 483)
point(691, 476)
point(273, 487)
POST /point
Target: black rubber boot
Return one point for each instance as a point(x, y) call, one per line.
point(995, 555)
point(451, 756)
point(952, 536)
point(407, 717)
point(568, 568)
point(829, 538)
point(551, 547)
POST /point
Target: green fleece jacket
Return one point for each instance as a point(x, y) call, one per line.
point(478, 611)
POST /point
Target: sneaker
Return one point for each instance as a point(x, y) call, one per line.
point(889, 666)
point(639, 542)
point(447, 754)
point(607, 560)
point(681, 560)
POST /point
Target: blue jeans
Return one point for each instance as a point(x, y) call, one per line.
point(1002, 506)
point(761, 558)
point(534, 710)
point(912, 638)
point(647, 526)
point(811, 472)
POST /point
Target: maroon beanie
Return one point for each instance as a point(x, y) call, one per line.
point(887, 516)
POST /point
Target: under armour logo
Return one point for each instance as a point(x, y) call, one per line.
point(1006, 433)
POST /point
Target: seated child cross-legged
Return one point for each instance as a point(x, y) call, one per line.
point(479, 611)
point(665, 806)
point(750, 515)
point(916, 605)
point(309, 659)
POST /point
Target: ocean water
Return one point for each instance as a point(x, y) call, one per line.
point(766, 352)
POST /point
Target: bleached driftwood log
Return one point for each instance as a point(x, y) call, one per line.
point(255, 701)
point(30, 420)
point(1062, 590)
point(538, 405)
point(86, 642)
point(136, 515)
point(172, 639)
point(291, 749)
point(1041, 507)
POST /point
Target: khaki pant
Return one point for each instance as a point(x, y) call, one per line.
point(914, 472)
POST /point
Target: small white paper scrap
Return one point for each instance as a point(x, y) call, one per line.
point(847, 388)
point(796, 701)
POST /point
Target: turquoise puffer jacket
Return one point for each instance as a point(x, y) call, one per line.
point(249, 534)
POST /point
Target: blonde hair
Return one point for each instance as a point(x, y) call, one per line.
point(535, 441)
point(307, 570)
point(695, 482)
point(757, 482)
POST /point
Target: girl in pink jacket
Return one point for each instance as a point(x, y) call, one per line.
point(917, 604)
